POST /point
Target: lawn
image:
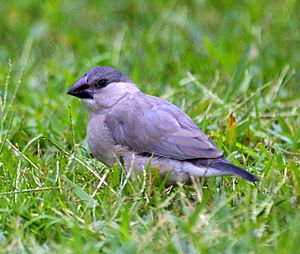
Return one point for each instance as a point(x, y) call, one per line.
point(233, 66)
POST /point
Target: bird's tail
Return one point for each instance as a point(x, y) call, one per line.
point(226, 168)
point(231, 169)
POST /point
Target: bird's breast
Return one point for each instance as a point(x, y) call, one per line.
point(100, 140)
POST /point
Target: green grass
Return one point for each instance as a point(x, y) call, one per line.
point(211, 58)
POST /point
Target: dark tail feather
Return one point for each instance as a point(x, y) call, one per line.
point(226, 168)
point(231, 169)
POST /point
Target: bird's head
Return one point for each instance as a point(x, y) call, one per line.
point(101, 87)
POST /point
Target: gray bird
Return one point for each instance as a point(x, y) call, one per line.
point(135, 128)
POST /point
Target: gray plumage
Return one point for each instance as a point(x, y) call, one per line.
point(126, 123)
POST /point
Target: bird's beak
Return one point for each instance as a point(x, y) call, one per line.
point(81, 89)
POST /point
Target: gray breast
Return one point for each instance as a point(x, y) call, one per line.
point(100, 140)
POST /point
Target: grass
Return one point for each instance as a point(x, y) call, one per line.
point(212, 59)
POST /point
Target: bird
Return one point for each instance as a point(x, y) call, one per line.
point(143, 131)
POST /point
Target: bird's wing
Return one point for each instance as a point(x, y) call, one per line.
point(152, 125)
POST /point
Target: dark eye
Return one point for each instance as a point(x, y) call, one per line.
point(101, 83)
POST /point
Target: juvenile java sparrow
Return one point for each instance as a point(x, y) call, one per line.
point(130, 126)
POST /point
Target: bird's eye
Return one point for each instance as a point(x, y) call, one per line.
point(101, 83)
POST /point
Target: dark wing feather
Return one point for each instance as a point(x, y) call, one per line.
point(152, 125)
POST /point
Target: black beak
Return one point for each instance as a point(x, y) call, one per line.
point(81, 90)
